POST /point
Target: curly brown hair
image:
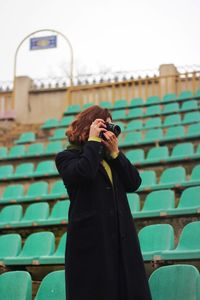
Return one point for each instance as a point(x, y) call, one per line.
point(78, 130)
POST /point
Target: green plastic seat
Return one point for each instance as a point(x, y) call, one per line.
point(197, 94)
point(21, 284)
point(195, 177)
point(3, 152)
point(52, 287)
point(197, 153)
point(106, 104)
point(59, 214)
point(36, 245)
point(121, 125)
point(172, 177)
point(158, 154)
point(154, 239)
point(65, 121)
point(134, 125)
point(153, 135)
point(189, 202)
point(189, 105)
point(184, 95)
point(10, 214)
point(169, 97)
point(36, 191)
point(36, 149)
point(58, 190)
point(170, 108)
point(131, 138)
point(157, 204)
point(175, 282)
point(73, 109)
point(12, 193)
point(46, 168)
point(50, 123)
point(148, 180)
point(26, 137)
point(24, 170)
point(59, 134)
point(119, 114)
point(182, 151)
point(193, 130)
point(87, 105)
point(136, 102)
point(153, 123)
point(34, 213)
point(134, 202)
point(135, 156)
point(172, 120)
point(153, 110)
point(6, 172)
point(191, 117)
point(134, 113)
point(188, 246)
point(121, 103)
point(17, 151)
point(174, 133)
point(10, 245)
point(153, 100)
point(53, 147)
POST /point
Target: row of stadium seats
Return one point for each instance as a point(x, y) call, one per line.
point(175, 282)
point(156, 204)
point(156, 242)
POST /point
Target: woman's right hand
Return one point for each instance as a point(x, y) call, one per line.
point(96, 127)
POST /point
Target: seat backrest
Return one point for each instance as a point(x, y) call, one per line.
point(169, 97)
point(176, 132)
point(133, 138)
point(61, 245)
point(158, 153)
point(134, 125)
point(135, 156)
point(134, 202)
point(46, 166)
point(65, 121)
point(171, 107)
point(185, 94)
point(153, 122)
point(60, 210)
point(52, 287)
point(17, 151)
point(38, 188)
point(59, 133)
point(191, 117)
point(74, 108)
point(24, 169)
point(176, 282)
point(154, 135)
point(148, 178)
point(175, 175)
point(11, 213)
point(191, 104)
point(159, 200)
point(172, 120)
point(13, 191)
point(6, 171)
point(105, 104)
point(10, 244)
point(35, 149)
point(59, 188)
point(189, 237)
point(16, 285)
point(190, 197)
point(54, 147)
point(136, 102)
point(120, 103)
point(3, 152)
point(195, 173)
point(36, 211)
point(153, 99)
point(184, 150)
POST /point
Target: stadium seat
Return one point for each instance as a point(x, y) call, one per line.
point(193, 130)
point(184, 95)
point(153, 100)
point(26, 137)
point(136, 102)
point(24, 170)
point(188, 246)
point(3, 152)
point(148, 180)
point(10, 214)
point(36, 191)
point(46, 168)
point(182, 151)
point(12, 193)
point(170, 108)
point(134, 125)
point(153, 135)
point(189, 105)
point(59, 134)
point(121, 125)
point(6, 172)
point(135, 156)
point(87, 105)
point(191, 117)
point(16, 285)
point(157, 154)
point(169, 97)
point(50, 123)
point(106, 104)
point(153, 123)
point(53, 147)
point(174, 133)
point(132, 138)
point(197, 94)
point(194, 178)
point(134, 202)
point(65, 121)
point(176, 282)
point(172, 120)
point(153, 110)
point(58, 190)
point(36, 149)
point(36, 245)
point(10, 245)
point(73, 109)
point(17, 151)
point(134, 113)
point(172, 177)
point(154, 239)
point(59, 214)
point(121, 103)
point(52, 287)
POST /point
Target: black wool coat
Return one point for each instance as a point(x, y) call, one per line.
point(103, 259)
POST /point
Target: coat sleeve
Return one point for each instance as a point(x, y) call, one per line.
point(128, 174)
point(74, 167)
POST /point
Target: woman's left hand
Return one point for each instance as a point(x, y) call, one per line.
point(111, 142)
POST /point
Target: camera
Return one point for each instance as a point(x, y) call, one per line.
point(111, 127)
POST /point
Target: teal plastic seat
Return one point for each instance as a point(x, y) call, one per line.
point(53, 148)
point(176, 282)
point(12, 193)
point(50, 123)
point(130, 139)
point(193, 130)
point(170, 108)
point(182, 151)
point(58, 191)
point(16, 285)
point(154, 239)
point(52, 287)
point(36, 191)
point(184, 95)
point(188, 246)
point(191, 117)
point(153, 110)
point(153, 135)
point(135, 156)
point(24, 170)
point(46, 168)
point(195, 177)
point(153, 123)
point(36, 245)
point(158, 154)
point(189, 105)
point(153, 100)
point(73, 109)
point(172, 177)
point(119, 114)
point(59, 134)
point(172, 120)
point(157, 203)
point(26, 137)
point(197, 94)
point(59, 214)
point(169, 97)
point(189, 202)
point(134, 202)
point(136, 102)
point(58, 257)
point(87, 105)
point(6, 172)
point(10, 214)
point(174, 133)
point(10, 245)
point(17, 151)
point(134, 125)
point(121, 103)
point(134, 113)
point(3, 152)
point(121, 125)
point(65, 121)
point(148, 180)
point(106, 104)
point(36, 149)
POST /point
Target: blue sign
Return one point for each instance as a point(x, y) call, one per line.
point(44, 42)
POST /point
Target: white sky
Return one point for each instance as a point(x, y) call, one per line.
point(119, 35)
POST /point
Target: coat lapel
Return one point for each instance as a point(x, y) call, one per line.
point(104, 173)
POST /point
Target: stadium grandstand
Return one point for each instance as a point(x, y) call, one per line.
point(160, 120)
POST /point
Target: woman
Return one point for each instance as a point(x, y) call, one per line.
point(103, 259)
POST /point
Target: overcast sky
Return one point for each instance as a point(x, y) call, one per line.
point(124, 35)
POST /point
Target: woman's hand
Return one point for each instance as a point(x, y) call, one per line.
point(96, 127)
point(112, 141)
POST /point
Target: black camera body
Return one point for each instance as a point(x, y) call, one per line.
point(111, 127)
